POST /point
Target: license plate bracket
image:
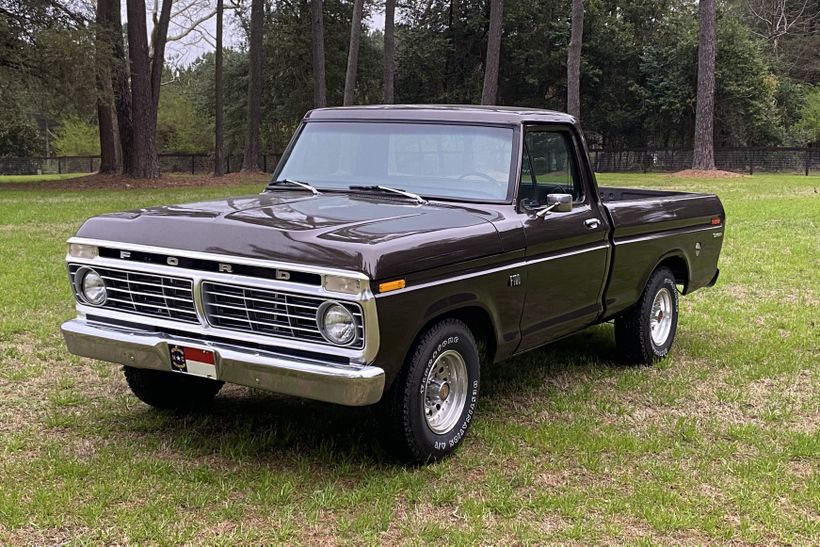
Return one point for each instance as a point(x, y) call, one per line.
point(193, 361)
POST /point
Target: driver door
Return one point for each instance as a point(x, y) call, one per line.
point(567, 253)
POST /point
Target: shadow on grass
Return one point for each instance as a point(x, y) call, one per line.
point(258, 427)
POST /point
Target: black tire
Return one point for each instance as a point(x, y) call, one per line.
point(170, 390)
point(633, 329)
point(408, 433)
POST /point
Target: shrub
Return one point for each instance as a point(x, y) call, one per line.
point(77, 137)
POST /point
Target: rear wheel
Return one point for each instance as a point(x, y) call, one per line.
point(170, 390)
point(432, 402)
point(646, 332)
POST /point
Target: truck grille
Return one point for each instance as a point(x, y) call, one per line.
point(262, 311)
point(145, 294)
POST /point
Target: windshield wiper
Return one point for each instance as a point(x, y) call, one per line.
point(298, 183)
point(420, 200)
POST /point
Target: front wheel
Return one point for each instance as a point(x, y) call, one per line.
point(432, 402)
point(645, 333)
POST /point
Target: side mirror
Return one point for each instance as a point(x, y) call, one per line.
point(560, 203)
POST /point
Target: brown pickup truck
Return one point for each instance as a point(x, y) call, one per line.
point(395, 250)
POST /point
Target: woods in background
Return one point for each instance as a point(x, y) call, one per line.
point(632, 69)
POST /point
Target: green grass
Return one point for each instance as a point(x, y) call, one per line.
point(40, 178)
point(718, 443)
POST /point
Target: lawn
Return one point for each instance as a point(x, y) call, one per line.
point(39, 178)
point(719, 443)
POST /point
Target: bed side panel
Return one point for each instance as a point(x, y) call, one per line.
point(650, 230)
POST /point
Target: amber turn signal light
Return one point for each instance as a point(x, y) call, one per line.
point(392, 285)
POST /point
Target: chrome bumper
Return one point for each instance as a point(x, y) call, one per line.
point(352, 386)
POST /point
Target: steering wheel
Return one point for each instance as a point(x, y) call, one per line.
point(555, 189)
point(484, 176)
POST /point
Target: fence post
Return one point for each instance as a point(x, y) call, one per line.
point(192, 164)
point(808, 159)
point(751, 162)
point(59, 165)
point(91, 164)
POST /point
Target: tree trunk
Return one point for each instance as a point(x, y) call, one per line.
point(317, 27)
point(353, 52)
point(251, 160)
point(144, 160)
point(219, 93)
point(110, 159)
point(122, 90)
point(704, 149)
point(574, 60)
point(389, 50)
point(489, 94)
point(160, 35)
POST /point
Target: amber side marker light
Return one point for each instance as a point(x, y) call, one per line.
point(392, 285)
point(716, 221)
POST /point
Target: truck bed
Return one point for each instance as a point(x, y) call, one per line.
point(649, 227)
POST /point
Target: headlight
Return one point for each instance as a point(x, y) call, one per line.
point(91, 286)
point(346, 285)
point(336, 323)
point(78, 250)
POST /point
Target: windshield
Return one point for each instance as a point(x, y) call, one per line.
point(433, 160)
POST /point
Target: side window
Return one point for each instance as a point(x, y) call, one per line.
point(551, 168)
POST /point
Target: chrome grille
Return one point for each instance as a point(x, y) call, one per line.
point(262, 311)
point(145, 294)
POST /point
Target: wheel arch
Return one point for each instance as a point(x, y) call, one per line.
point(678, 264)
point(480, 323)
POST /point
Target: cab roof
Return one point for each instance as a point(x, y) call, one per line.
point(507, 115)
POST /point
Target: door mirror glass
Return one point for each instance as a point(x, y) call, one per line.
point(562, 202)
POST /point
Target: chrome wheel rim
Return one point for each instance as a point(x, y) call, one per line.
point(660, 320)
point(445, 392)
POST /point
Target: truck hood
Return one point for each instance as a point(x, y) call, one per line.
point(379, 236)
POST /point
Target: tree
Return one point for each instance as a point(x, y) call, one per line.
point(353, 52)
point(808, 127)
point(219, 95)
point(250, 161)
point(110, 152)
point(574, 59)
point(389, 50)
point(774, 19)
point(317, 28)
point(703, 156)
point(146, 73)
point(121, 85)
point(489, 93)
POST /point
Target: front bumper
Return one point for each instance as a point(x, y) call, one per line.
point(311, 379)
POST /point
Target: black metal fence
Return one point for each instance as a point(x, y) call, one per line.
point(742, 160)
point(169, 163)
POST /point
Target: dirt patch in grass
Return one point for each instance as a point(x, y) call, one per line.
point(122, 182)
point(703, 174)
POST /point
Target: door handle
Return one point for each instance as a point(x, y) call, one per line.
point(592, 223)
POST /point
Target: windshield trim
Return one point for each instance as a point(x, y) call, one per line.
point(512, 178)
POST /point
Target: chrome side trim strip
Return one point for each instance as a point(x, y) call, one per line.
point(497, 269)
point(667, 233)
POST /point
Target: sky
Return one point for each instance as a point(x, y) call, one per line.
point(187, 49)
